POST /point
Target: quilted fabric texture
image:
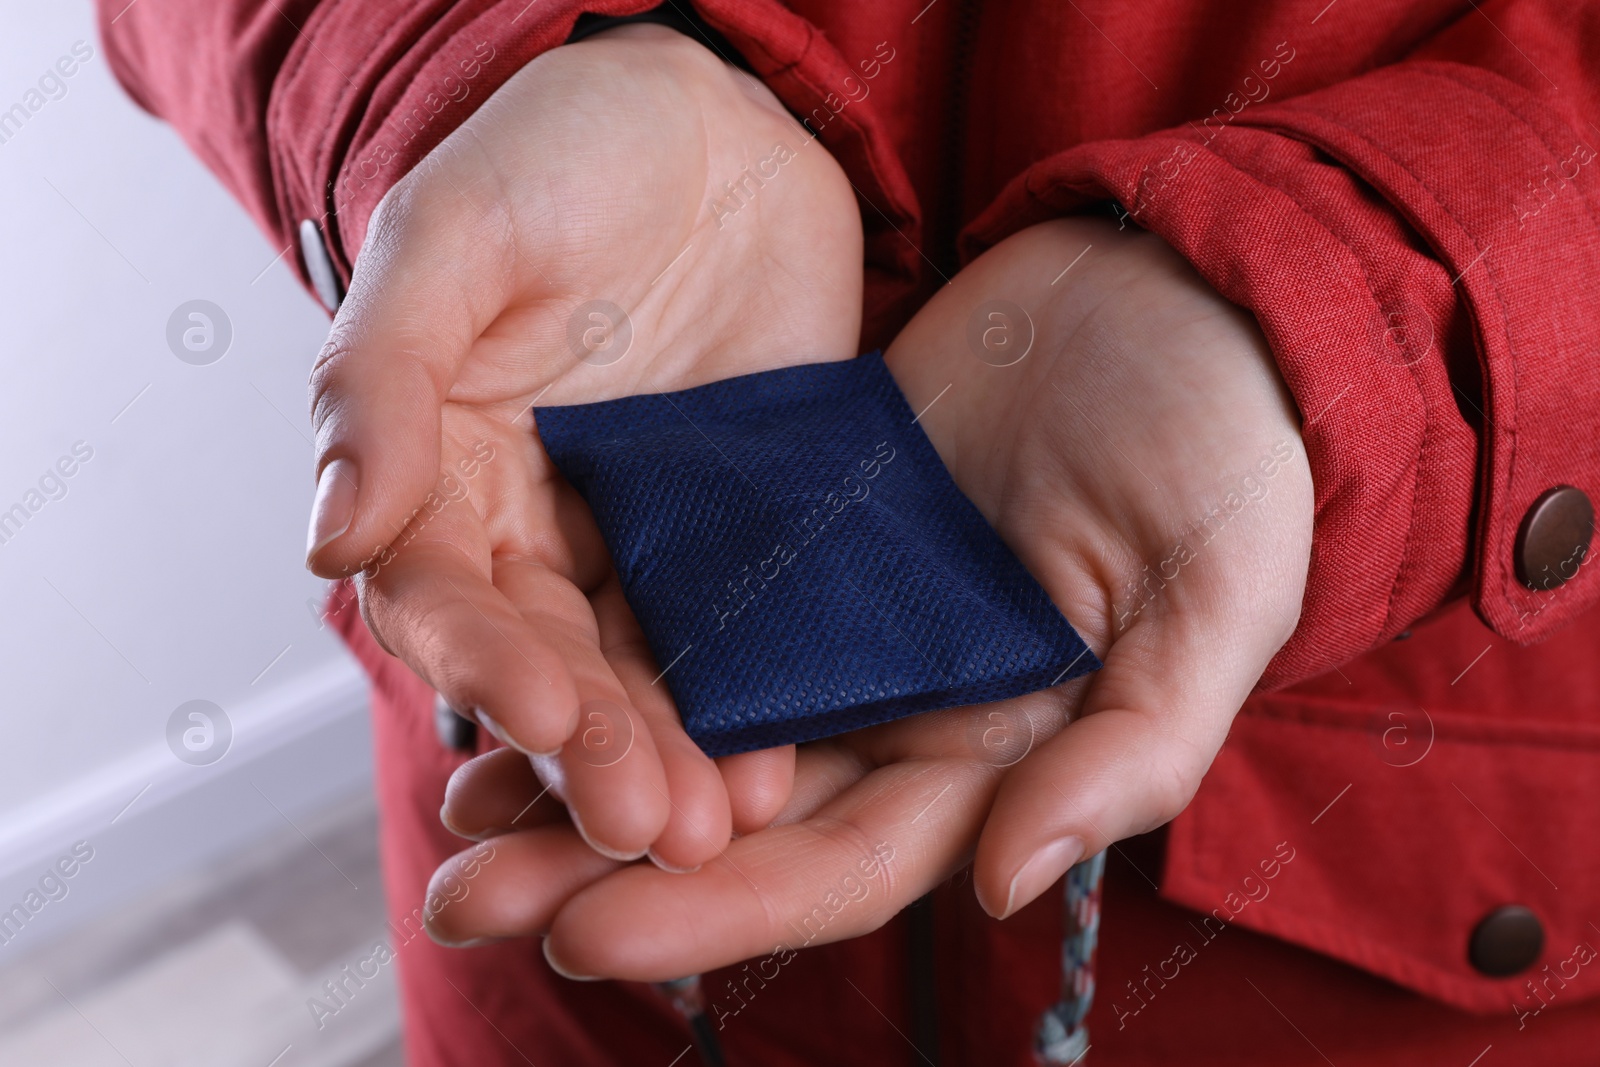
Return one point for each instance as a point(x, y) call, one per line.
point(799, 558)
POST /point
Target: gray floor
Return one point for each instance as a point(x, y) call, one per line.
point(221, 968)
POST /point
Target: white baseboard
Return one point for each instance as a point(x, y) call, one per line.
point(149, 817)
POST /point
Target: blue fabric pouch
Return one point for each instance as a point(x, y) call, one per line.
point(799, 559)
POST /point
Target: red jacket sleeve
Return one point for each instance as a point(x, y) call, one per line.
point(309, 110)
point(1420, 246)
point(1419, 243)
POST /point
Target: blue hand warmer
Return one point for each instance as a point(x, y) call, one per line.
point(799, 559)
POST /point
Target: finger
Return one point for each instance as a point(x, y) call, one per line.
point(424, 287)
point(609, 772)
point(433, 606)
point(700, 822)
point(1000, 734)
point(997, 735)
point(1152, 722)
point(697, 817)
point(841, 873)
point(759, 784)
point(509, 886)
point(497, 793)
point(539, 873)
point(823, 770)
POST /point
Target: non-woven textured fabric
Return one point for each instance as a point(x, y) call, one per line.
point(799, 558)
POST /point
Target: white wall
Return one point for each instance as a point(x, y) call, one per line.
point(171, 568)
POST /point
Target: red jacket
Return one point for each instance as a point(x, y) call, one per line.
point(1406, 197)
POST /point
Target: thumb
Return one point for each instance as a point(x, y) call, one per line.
point(1152, 721)
point(424, 287)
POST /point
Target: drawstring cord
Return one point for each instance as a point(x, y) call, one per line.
point(689, 998)
point(1062, 1039)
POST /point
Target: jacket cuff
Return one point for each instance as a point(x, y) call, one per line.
point(363, 95)
point(1374, 230)
point(370, 87)
point(685, 20)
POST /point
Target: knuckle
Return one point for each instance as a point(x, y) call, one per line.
point(326, 384)
point(396, 212)
point(416, 626)
point(851, 839)
point(1173, 783)
point(375, 626)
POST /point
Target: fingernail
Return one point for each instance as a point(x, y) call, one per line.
point(562, 969)
point(1041, 871)
point(444, 942)
point(444, 818)
point(669, 868)
point(549, 771)
point(334, 507)
point(488, 722)
point(499, 733)
point(476, 942)
point(609, 853)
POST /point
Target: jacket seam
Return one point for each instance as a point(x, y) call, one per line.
point(1512, 435)
point(1373, 955)
point(1430, 424)
point(285, 164)
point(1496, 733)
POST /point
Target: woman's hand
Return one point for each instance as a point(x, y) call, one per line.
point(1125, 430)
point(1144, 461)
point(627, 214)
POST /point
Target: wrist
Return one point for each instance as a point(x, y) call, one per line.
point(629, 30)
point(1133, 293)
